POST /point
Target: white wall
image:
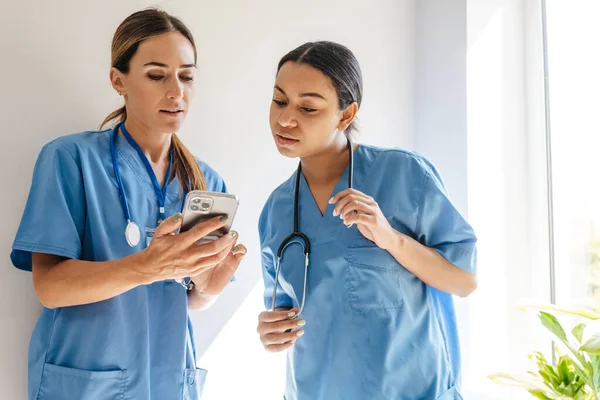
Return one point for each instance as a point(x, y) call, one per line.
point(55, 62)
point(441, 98)
point(441, 111)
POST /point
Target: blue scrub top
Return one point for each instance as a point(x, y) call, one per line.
point(373, 329)
point(138, 345)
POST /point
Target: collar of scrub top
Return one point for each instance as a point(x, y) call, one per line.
point(132, 232)
point(297, 234)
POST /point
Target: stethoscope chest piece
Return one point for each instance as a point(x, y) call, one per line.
point(132, 234)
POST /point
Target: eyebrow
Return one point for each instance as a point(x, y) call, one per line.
point(157, 64)
point(311, 94)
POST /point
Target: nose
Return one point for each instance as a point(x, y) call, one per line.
point(175, 90)
point(287, 119)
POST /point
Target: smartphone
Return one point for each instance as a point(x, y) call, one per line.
point(201, 205)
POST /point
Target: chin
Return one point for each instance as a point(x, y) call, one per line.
point(288, 152)
point(170, 126)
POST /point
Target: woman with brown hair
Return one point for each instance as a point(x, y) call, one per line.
point(115, 282)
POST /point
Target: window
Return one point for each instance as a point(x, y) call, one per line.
point(516, 193)
point(574, 84)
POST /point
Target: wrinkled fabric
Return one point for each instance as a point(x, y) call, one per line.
point(373, 329)
point(137, 345)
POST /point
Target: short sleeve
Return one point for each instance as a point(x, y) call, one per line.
point(54, 217)
point(268, 268)
point(441, 226)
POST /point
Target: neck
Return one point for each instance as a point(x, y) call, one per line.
point(155, 145)
point(327, 166)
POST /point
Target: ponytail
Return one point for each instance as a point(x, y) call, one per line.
point(186, 167)
point(120, 115)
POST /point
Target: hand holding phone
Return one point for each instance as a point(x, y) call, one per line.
point(203, 205)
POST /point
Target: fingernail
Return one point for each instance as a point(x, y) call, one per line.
point(331, 200)
point(223, 218)
point(335, 213)
point(234, 235)
point(236, 248)
point(299, 333)
point(291, 314)
point(176, 218)
point(301, 322)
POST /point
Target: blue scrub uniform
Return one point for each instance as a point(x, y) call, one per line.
point(373, 329)
point(138, 345)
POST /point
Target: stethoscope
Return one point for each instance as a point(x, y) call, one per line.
point(132, 230)
point(297, 234)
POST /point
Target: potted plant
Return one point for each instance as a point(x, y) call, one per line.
point(576, 373)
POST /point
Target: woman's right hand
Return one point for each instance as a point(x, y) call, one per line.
point(178, 256)
point(273, 327)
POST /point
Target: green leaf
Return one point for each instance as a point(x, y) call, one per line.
point(595, 360)
point(581, 365)
point(592, 345)
point(529, 383)
point(551, 323)
point(546, 371)
point(539, 395)
point(581, 312)
point(550, 379)
point(578, 332)
point(563, 371)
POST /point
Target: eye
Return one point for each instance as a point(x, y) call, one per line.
point(155, 77)
point(309, 110)
point(187, 78)
point(279, 103)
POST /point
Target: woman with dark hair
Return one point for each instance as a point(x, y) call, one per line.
point(361, 248)
point(115, 321)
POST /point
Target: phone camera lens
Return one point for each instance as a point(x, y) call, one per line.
point(205, 205)
point(194, 208)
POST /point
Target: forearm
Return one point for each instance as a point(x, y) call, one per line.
point(431, 267)
point(67, 283)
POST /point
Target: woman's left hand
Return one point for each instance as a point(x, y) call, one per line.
point(211, 282)
point(355, 207)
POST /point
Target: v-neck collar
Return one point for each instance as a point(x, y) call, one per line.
point(127, 155)
point(310, 215)
point(326, 228)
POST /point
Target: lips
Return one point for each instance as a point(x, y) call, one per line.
point(172, 111)
point(284, 140)
point(285, 136)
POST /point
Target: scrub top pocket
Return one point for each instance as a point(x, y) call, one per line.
point(62, 383)
point(373, 279)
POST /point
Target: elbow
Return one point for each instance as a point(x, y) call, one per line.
point(43, 291)
point(468, 287)
point(42, 265)
point(47, 300)
point(48, 305)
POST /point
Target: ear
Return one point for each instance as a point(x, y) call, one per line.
point(348, 115)
point(117, 79)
